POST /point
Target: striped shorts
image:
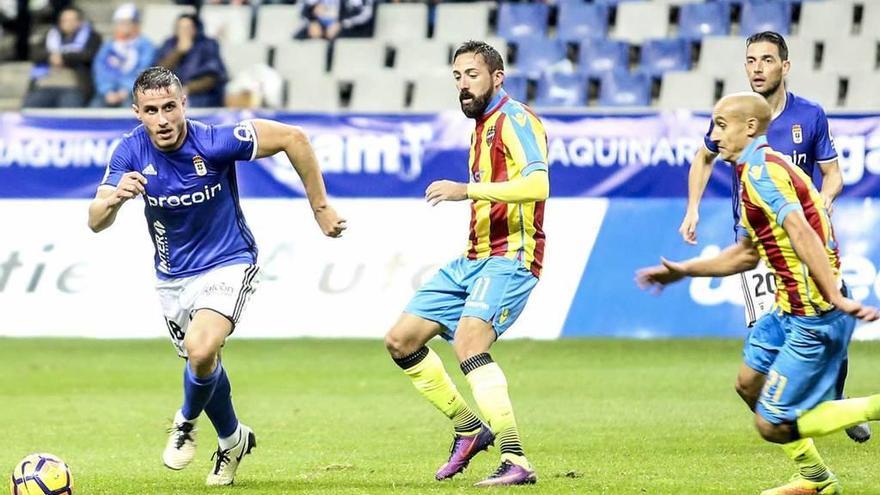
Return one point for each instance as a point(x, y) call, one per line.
point(225, 290)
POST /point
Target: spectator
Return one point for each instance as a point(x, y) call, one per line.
point(195, 59)
point(331, 19)
point(62, 75)
point(121, 60)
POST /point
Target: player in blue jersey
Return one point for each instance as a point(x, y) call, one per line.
point(798, 129)
point(205, 254)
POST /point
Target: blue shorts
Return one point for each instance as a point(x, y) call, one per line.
point(764, 342)
point(805, 372)
point(493, 289)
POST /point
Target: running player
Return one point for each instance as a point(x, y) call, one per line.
point(205, 254)
point(788, 227)
point(475, 298)
point(799, 129)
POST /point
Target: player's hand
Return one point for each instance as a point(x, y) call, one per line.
point(655, 278)
point(829, 204)
point(131, 185)
point(445, 190)
point(857, 309)
point(688, 229)
point(332, 225)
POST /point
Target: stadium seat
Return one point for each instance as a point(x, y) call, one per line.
point(227, 23)
point(517, 86)
point(457, 22)
point(422, 57)
point(158, 21)
point(821, 87)
point(14, 82)
point(562, 90)
point(301, 57)
point(522, 20)
point(801, 52)
point(827, 19)
point(434, 93)
point(763, 15)
point(534, 55)
point(310, 92)
point(862, 92)
point(735, 81)
point(354, 58)
point(850, 55)
point(380, 92)
point(659, 56)
point(870, 18)
point(720, 54)
point(401, 21)
point(698, 20)
point(601, 56)
point(624, 89)
point(640, 21)
point(240, 56)
point(276, 24)
point(579, 21)
point(687, 91)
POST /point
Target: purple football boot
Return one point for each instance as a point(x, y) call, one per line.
point(463, 449)
point(509, 473)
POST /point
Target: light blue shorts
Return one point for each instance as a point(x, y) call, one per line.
point(493, 289)
point(806, 370)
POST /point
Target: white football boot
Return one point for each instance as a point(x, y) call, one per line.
point(226, 461)
point(181, 446)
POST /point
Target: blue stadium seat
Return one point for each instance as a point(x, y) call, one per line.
point(624, 89)
point(765, 15)
point(516, 86)
point(533, 55)
point(697, 20)
point(578, 21)
point(523, 20)
point(663, 55)
point(562, 90)
point(601, 56)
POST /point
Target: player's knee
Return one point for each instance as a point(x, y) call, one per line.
point(747, 392)
point(201, 358)
point(770, 432)
point(396, 345)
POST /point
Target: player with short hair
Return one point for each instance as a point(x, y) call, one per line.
point(798, 129)
point(789, 228)
point(205, 254)
point(475, 298)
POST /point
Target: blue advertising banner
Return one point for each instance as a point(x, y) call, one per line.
point(397, 156)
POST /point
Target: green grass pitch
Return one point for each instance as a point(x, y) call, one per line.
point(338, 417)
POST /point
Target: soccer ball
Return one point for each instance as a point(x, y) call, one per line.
point(41, 474)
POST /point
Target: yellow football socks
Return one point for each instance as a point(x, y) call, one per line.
point(836, 415)
point(431, 380)
point(489, 387)
point(810, 464)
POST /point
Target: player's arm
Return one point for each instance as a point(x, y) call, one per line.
point(826, 155)
point(832, 182)
point(274, 137)
point(698, 178)
point(528, 189)
point(736, 258)
point(108, 200)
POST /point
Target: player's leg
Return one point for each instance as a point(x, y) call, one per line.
point(859, 433)
point(434, 309)
point(761, 346)
point(498, 291)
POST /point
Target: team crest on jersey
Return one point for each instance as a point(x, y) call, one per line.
point(797, 134)
point(199, 164)
point(490, 135)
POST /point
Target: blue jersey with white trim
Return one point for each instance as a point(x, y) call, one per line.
point(191, 202)
point(800, 132)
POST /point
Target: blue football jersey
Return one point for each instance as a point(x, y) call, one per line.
point(800, 132)
point(191, 203)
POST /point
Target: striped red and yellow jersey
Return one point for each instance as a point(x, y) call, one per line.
point(509, 142)
point(773, 188)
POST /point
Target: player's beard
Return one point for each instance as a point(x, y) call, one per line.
point(477, 107)
point(769, 90)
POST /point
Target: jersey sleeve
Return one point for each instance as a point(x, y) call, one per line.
point(234, 141)
point(823, 144)
point(119, 165)
point(773, 186)
point(707, 141)
point(525, 141)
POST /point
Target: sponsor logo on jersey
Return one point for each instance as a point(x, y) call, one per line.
point(244, 131)
point(199, 164)
point(755, 171)
point(162, 250)
point(477, 175)
point(797, 134)
point(505, 314)
point(150, 170)
point(187, 199)
point(520, 119)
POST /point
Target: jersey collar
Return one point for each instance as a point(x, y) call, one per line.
point(756, 144)
point(495, 103)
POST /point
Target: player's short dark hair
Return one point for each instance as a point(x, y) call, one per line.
point(770, 37)
point(490, 55)
point(156, 77)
